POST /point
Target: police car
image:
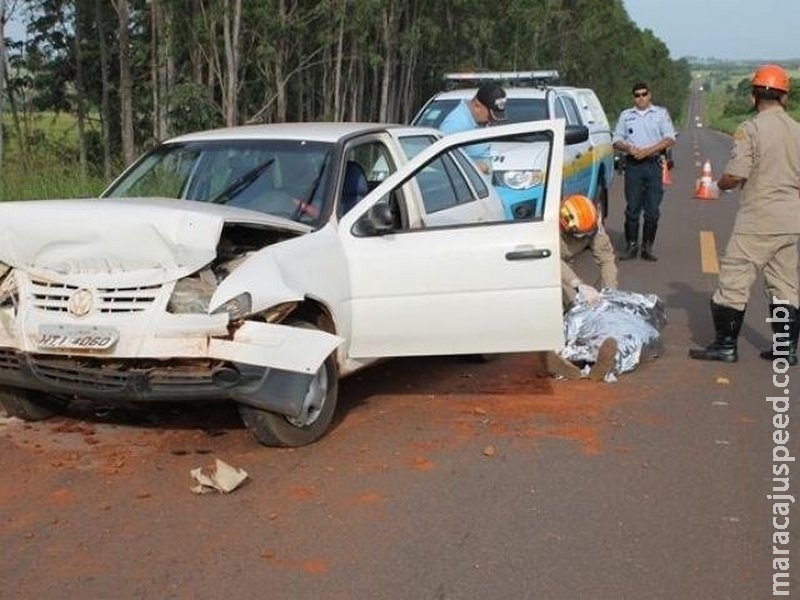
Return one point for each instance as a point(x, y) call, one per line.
point(533, 96)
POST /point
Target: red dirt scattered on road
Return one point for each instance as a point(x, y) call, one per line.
point(400, 416)
point(313, 566)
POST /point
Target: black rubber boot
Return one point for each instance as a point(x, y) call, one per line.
point(727, 323)
point(631, 241)
point(648, 238)
point(784, 335)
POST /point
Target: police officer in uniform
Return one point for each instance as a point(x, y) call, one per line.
point(765, 162)
point(643, 133)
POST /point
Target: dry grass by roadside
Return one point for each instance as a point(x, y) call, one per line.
point(50, 168)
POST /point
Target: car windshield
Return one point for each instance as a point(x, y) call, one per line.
point(280, 177)
point(518, 110)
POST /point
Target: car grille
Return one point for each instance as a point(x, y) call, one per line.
point(85, 376)
point(170, 379)
point(9, 360)
point(68, 373)
point(54, 297)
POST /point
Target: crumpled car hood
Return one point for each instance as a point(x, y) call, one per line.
point(142, 241)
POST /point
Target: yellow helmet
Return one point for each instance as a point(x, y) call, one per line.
point(578, 215)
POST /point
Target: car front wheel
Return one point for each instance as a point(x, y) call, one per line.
point(29, 405)
point(319, 405)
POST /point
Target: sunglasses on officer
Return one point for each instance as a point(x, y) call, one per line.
point(641, 94)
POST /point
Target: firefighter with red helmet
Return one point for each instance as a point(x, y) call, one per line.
point(765, 164)
point(582, 230)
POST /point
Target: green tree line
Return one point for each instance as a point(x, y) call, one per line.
point(728, 99)
point(132, 72)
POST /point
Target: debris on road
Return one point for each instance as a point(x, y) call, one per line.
point(224, 478)
point(4, 420)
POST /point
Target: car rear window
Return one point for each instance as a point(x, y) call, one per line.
point(435, 112)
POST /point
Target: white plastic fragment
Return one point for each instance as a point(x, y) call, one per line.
point(224, 478)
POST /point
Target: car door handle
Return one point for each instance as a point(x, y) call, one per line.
point(528, 254)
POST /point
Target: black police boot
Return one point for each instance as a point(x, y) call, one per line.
point(631, 241)
point(648, 237)
point(784, 335)
point(727, 323)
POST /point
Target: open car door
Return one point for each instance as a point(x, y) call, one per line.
point(460, 289)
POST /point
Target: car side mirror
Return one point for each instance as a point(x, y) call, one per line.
point(378, 220)
point(575, 134)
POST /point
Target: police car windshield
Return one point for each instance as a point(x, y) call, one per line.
point(518, 110)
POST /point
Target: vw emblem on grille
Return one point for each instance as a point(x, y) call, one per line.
point(80, 303)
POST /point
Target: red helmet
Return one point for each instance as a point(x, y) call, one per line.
point(771, 77)
point(578, 215)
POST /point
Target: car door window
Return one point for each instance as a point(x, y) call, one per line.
point(443, 186)
point(414, 144)
point(365, 166)
point(526, 109)
point(477, 181)
point(572, 113)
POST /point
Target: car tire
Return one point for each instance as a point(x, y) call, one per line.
point(319, 406)
point(31, 406)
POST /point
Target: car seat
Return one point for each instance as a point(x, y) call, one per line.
point(355, 185)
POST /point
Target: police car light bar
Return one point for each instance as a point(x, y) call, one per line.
point(512, 77)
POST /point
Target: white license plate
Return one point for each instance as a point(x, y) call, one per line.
point(57, 337)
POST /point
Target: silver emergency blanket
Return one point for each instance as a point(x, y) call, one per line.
point(634, 320)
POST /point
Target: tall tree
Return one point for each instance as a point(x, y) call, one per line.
point(105, 86)
point(80, 92)
point(125, 82)
point(2, 74)
point(205, 63)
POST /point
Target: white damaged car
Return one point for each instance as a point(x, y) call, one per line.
point(260, 264)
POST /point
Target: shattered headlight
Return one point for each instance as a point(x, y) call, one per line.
point(237, 308)
point(520, 180)
point(191, 295)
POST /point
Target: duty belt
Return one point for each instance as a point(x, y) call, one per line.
point(647, 159)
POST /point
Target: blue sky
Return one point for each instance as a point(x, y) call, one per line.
point(732, 29)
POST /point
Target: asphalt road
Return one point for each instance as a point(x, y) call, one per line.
point(442, 479)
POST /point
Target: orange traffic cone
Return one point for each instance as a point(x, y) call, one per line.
point(666, 175)
point(706, 190)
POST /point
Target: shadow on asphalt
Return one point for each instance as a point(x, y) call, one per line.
point(440, 375)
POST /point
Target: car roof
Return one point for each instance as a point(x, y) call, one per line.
point(331, 132)
point(512, 91)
